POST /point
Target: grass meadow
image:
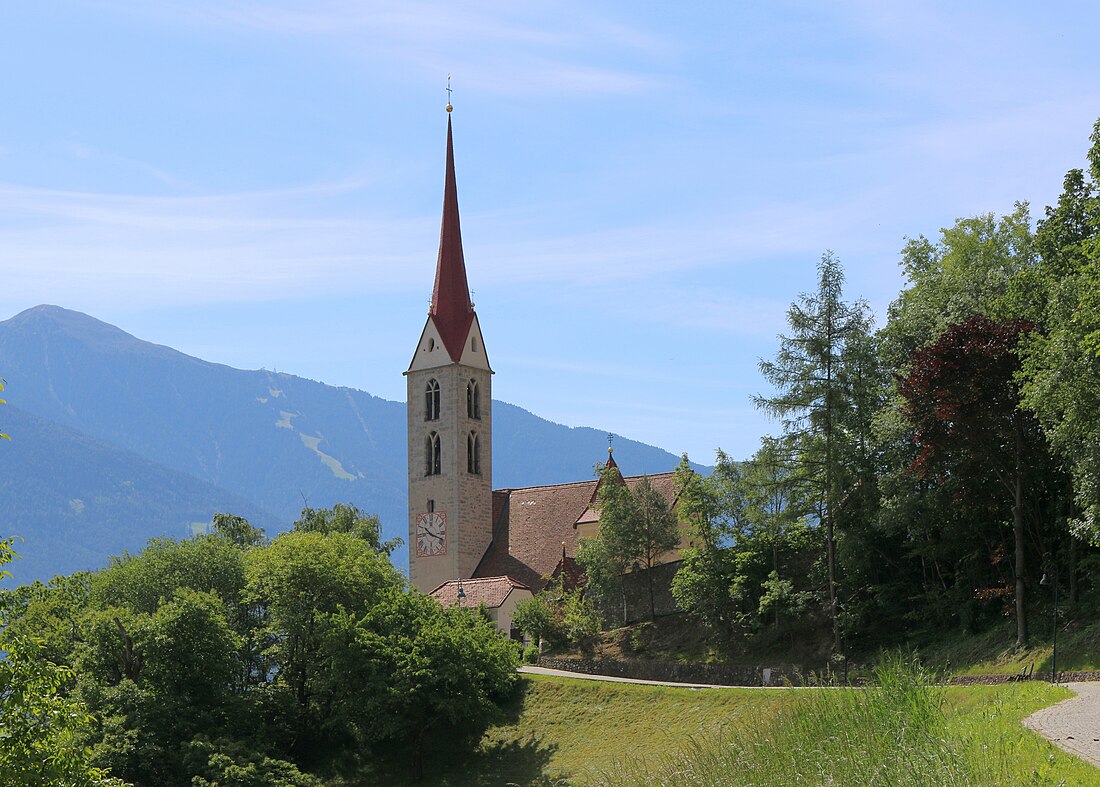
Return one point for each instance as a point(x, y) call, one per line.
point(903, 731)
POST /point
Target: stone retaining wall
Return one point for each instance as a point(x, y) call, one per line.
point(632, 604)
point(993, 680)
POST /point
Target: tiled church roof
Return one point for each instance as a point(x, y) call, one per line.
point(530, 525)
point(491, 591)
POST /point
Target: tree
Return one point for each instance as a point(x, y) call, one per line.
point(238, 530)
point(229, 762)
point(295, 585)
point(580, 620)
point(41, 726)
point(962, 398)
point(704, 584)
point(343, 518)
point(637, 527)
point(772, 491)
point(606, 557)
point(417, 677)
point(774, 521)
point(975, 267)
point(142, 582)
point(656, 533)
point(535, 618)
point(811, 399)
point(941, 532)
point(225, 659)
point(1061, 369)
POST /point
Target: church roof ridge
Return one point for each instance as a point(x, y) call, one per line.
point(451, 309)
point(513, 489)
point(473, 580)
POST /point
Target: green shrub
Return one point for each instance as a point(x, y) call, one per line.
point(531, 654)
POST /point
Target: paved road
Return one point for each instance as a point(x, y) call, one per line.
point(560, 673)
point(1073, 724)
point(611, 678)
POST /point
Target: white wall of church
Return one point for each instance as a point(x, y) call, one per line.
point(502, 615)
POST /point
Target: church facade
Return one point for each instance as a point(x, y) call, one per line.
point(468, 543)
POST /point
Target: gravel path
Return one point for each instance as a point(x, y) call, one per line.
point(1073, 724)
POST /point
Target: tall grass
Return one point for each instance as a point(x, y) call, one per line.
point(894, 733)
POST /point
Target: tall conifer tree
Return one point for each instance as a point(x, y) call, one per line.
point(812, 399)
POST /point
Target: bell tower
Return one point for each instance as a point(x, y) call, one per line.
point(450, 416)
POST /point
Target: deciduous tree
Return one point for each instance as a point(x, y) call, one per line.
point(637, 526)
point(963, 398)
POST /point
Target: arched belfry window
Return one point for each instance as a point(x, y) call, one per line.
point(473, 400)
point(431, 401)
point(473, 454)
point(433, 456)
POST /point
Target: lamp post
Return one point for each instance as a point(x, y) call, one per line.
point(1054, 627)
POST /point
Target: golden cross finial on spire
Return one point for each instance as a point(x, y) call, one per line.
point(610, 439)
point(449, 107)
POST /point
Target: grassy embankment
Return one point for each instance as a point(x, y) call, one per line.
point(906, 733)
point(994, 653)
point(990, 652)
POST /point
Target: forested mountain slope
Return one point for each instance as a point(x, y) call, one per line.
point(261, 440)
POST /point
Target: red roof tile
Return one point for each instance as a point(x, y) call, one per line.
point(490, 591)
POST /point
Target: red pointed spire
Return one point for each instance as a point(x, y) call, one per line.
point(452, 311)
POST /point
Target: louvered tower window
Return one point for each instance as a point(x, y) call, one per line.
point(431, 401)
point(433, 456)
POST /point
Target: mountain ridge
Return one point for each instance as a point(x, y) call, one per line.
point(276, 440)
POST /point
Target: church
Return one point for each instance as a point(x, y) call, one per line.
point(471, 544)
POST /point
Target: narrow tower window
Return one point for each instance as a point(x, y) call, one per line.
point(433, 458)
point(473, 454)
point(431, 401)
point(473, 400)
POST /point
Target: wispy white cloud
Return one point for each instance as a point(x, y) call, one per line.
point(248, 246)
point(500, 47)
point(289, 242)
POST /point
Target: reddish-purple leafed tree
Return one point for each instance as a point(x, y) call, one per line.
point(962, 400)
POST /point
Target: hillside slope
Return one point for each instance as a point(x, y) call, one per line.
point(74, 500)
point(274, 440)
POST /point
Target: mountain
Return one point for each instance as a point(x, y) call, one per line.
point(73, 500)
point(260, 442)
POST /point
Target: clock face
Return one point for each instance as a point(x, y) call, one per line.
point(431, 534)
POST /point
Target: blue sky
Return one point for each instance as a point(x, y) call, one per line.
point(644, 186)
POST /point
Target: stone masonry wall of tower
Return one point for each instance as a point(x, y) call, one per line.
point(465, 498)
